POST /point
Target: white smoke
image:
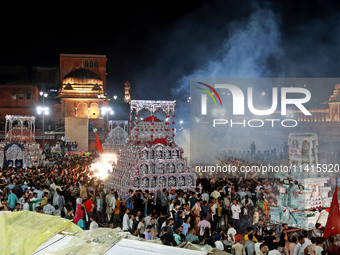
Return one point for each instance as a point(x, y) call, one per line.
point(250, 47)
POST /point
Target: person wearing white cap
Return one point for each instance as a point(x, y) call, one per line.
point(24, 187)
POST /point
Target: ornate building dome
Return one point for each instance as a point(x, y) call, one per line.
point(82, 76)
point(335, 97)
point(82, 83)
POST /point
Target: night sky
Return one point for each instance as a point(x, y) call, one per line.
point(159, 46)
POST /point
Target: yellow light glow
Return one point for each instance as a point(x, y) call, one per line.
point(103, 165)
point(77, 81)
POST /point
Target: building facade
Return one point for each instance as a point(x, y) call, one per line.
point(16, 99)
point(328, 114)
point(82, 95)
point(93, 63)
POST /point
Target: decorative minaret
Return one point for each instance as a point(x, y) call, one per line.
point(127, 97)
point(334, 104)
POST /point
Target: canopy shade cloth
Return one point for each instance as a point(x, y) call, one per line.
point(22, 232)
point(34, 233)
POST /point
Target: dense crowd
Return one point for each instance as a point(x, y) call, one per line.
point(255, 154)
point(227, 214)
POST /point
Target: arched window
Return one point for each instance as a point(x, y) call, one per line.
point(167, 154)
point(162, 181)
point(175, 154)
point(172, 182)
point(180, 168)
point(153, 182)
point(190, 180)
point(96, 63)
point(144, 155)
point(86, 63)
point(160, 168)
point(159, 154)
point(181, 181)
point(170, 168)
point(144, 169)
point(145, 183)
point(136, 182)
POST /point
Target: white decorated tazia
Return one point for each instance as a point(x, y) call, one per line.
point(304, 194)
point(19, 149)
point(150, 159)
point(116, 139)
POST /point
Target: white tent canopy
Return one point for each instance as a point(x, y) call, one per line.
point(133, 247)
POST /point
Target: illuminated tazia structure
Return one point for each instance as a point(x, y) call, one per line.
point(117, 137)
point(19, 149)
point(151, 159)
point(304, 194)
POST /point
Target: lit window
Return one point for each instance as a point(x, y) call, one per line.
point(21, 96)
point(14, 96)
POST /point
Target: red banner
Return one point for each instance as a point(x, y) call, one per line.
point(98, 144)
point(333, 223)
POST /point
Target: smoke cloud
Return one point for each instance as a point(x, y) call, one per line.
point(252, 48)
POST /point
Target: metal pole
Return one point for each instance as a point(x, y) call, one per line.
point(43, 123)
point(44, 130)
point(107, 121)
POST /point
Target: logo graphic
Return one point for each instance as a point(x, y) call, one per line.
point(209, 93)
point(239, 99)
point(204, 97)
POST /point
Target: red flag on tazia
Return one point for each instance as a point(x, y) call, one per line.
point(332, 227)
point(98, 144)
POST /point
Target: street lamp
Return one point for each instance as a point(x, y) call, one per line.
point(115, 97)
point(106, 110)
point(44, 111)
point(42, 93)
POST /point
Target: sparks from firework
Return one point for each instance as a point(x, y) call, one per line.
point(103, 165)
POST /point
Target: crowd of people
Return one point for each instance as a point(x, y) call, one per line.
point(255, 154)
point(274, 154)
point(228, 214)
